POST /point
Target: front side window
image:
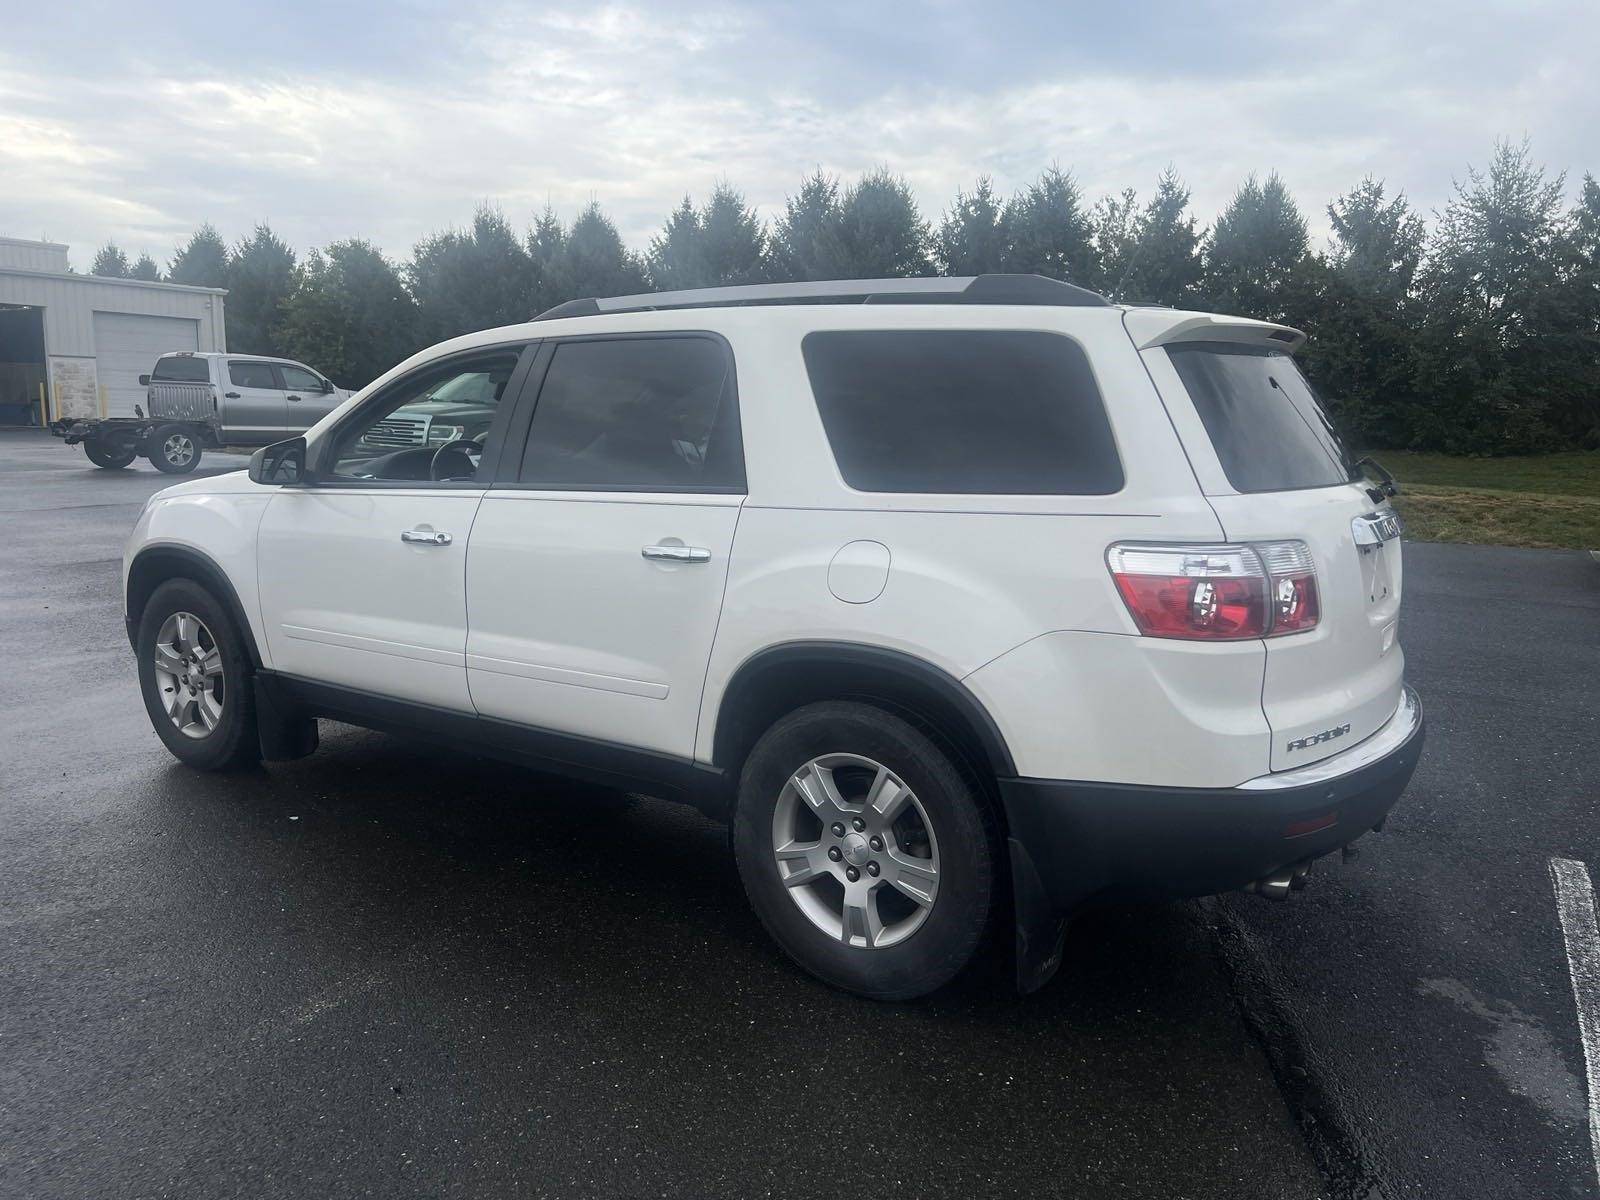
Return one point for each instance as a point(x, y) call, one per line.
point(639, 414)
point(430, 426)
point(962, 411)
point(298, 379)
point(252, 375)
point(1268, 429)
point(181, 368)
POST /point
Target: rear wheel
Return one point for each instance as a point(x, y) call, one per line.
point(104, 454)
point(173, 449)
point(194, 671)
point(867, 854)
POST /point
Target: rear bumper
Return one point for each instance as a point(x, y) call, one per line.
point(1075, 842)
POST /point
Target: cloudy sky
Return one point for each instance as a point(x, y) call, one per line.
point(136, 122)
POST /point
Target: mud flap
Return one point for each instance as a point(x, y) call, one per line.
point(285, 732)
point(1041, 931)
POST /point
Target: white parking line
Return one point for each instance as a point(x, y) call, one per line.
point(1575, 907)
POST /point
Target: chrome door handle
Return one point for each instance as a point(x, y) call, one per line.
point(683, 554)
point(425, 537)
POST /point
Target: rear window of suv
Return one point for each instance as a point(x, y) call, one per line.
point(1268, 428)
point(181, 370)
point(966, 412)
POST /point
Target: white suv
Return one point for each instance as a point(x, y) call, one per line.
point(954, 597)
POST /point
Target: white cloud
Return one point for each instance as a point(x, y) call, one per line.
point(635, 106)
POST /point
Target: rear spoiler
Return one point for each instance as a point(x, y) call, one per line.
point(1149, 327)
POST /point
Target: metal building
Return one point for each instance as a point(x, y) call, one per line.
point(75, 345)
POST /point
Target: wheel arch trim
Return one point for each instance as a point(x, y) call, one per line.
point(731, 737)
point(191, 564)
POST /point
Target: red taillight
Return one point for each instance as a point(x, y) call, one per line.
point(1217, 593)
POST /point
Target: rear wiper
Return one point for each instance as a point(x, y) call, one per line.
point(1385, 481)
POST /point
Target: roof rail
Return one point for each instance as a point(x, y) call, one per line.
point(966, 289)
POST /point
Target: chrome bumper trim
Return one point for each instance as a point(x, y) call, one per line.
point(1394, 734)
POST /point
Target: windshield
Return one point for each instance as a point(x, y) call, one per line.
point(1267, 425)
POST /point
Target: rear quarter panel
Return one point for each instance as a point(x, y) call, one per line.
point(970, 579)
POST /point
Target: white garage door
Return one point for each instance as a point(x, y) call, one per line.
point(126, 346)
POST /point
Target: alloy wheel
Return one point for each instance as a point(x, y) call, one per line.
point(189, 674)
point(178, 449)
point(856, 851)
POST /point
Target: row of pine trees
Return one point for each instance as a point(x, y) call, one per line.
point(1477, 332)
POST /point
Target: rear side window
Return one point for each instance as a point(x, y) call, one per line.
point(1266, 424)
point(962, 411)
point(637, 414)
point(252, 375)
point(176, 369)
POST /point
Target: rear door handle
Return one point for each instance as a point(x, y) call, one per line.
point(683, 554)
point(425, 537)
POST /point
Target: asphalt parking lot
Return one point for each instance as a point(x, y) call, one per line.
point(386, 971)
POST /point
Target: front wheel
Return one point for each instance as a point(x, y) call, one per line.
point(194, 671)
point(111, 457)
point(867, 854)
point(173, 449)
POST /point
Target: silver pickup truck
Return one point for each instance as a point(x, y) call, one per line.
point(194, 401)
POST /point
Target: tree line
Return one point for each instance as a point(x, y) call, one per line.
point(1477, 333)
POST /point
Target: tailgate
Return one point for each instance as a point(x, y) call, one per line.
point(182, 401)
point(1274, 470)
point(1328, 688)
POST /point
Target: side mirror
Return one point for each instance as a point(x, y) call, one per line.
point(144, 381)
point(280, 464)
point(327, 387)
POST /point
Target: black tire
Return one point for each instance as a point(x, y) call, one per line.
point(173, 449)
point(233, 742)
point(958, 817)
point(112, 458)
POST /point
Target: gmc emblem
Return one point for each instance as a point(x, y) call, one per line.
point(1316, 739)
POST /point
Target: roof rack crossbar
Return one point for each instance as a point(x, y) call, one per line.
point(965, 289)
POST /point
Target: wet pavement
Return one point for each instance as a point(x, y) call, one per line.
point(387, 970)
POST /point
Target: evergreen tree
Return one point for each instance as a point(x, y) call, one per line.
point(349, 314)
point(145, 269)
point(1255, 256)
point(546, 242)
point(1164, 266)
point(881, 232)
point(970, 239)
point(733, 244)
point(675, 256)
point(1049, 232)
point(593, 260)
point(807, 241)
point(203, 262)
point(481, 277)
point(1361, 351)
point(110, 263)
point(1502, 367)
point(260, 279)
point(1116, 221)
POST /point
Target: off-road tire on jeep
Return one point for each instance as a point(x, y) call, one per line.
point(196, 678)
point(847, 738)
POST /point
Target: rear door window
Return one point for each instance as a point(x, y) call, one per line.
point(985, 412)
point(1266, 424)
point(637, 414)
point(252, 375)
point(181, 369)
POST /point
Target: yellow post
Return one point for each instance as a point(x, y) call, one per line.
point(44, 409)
